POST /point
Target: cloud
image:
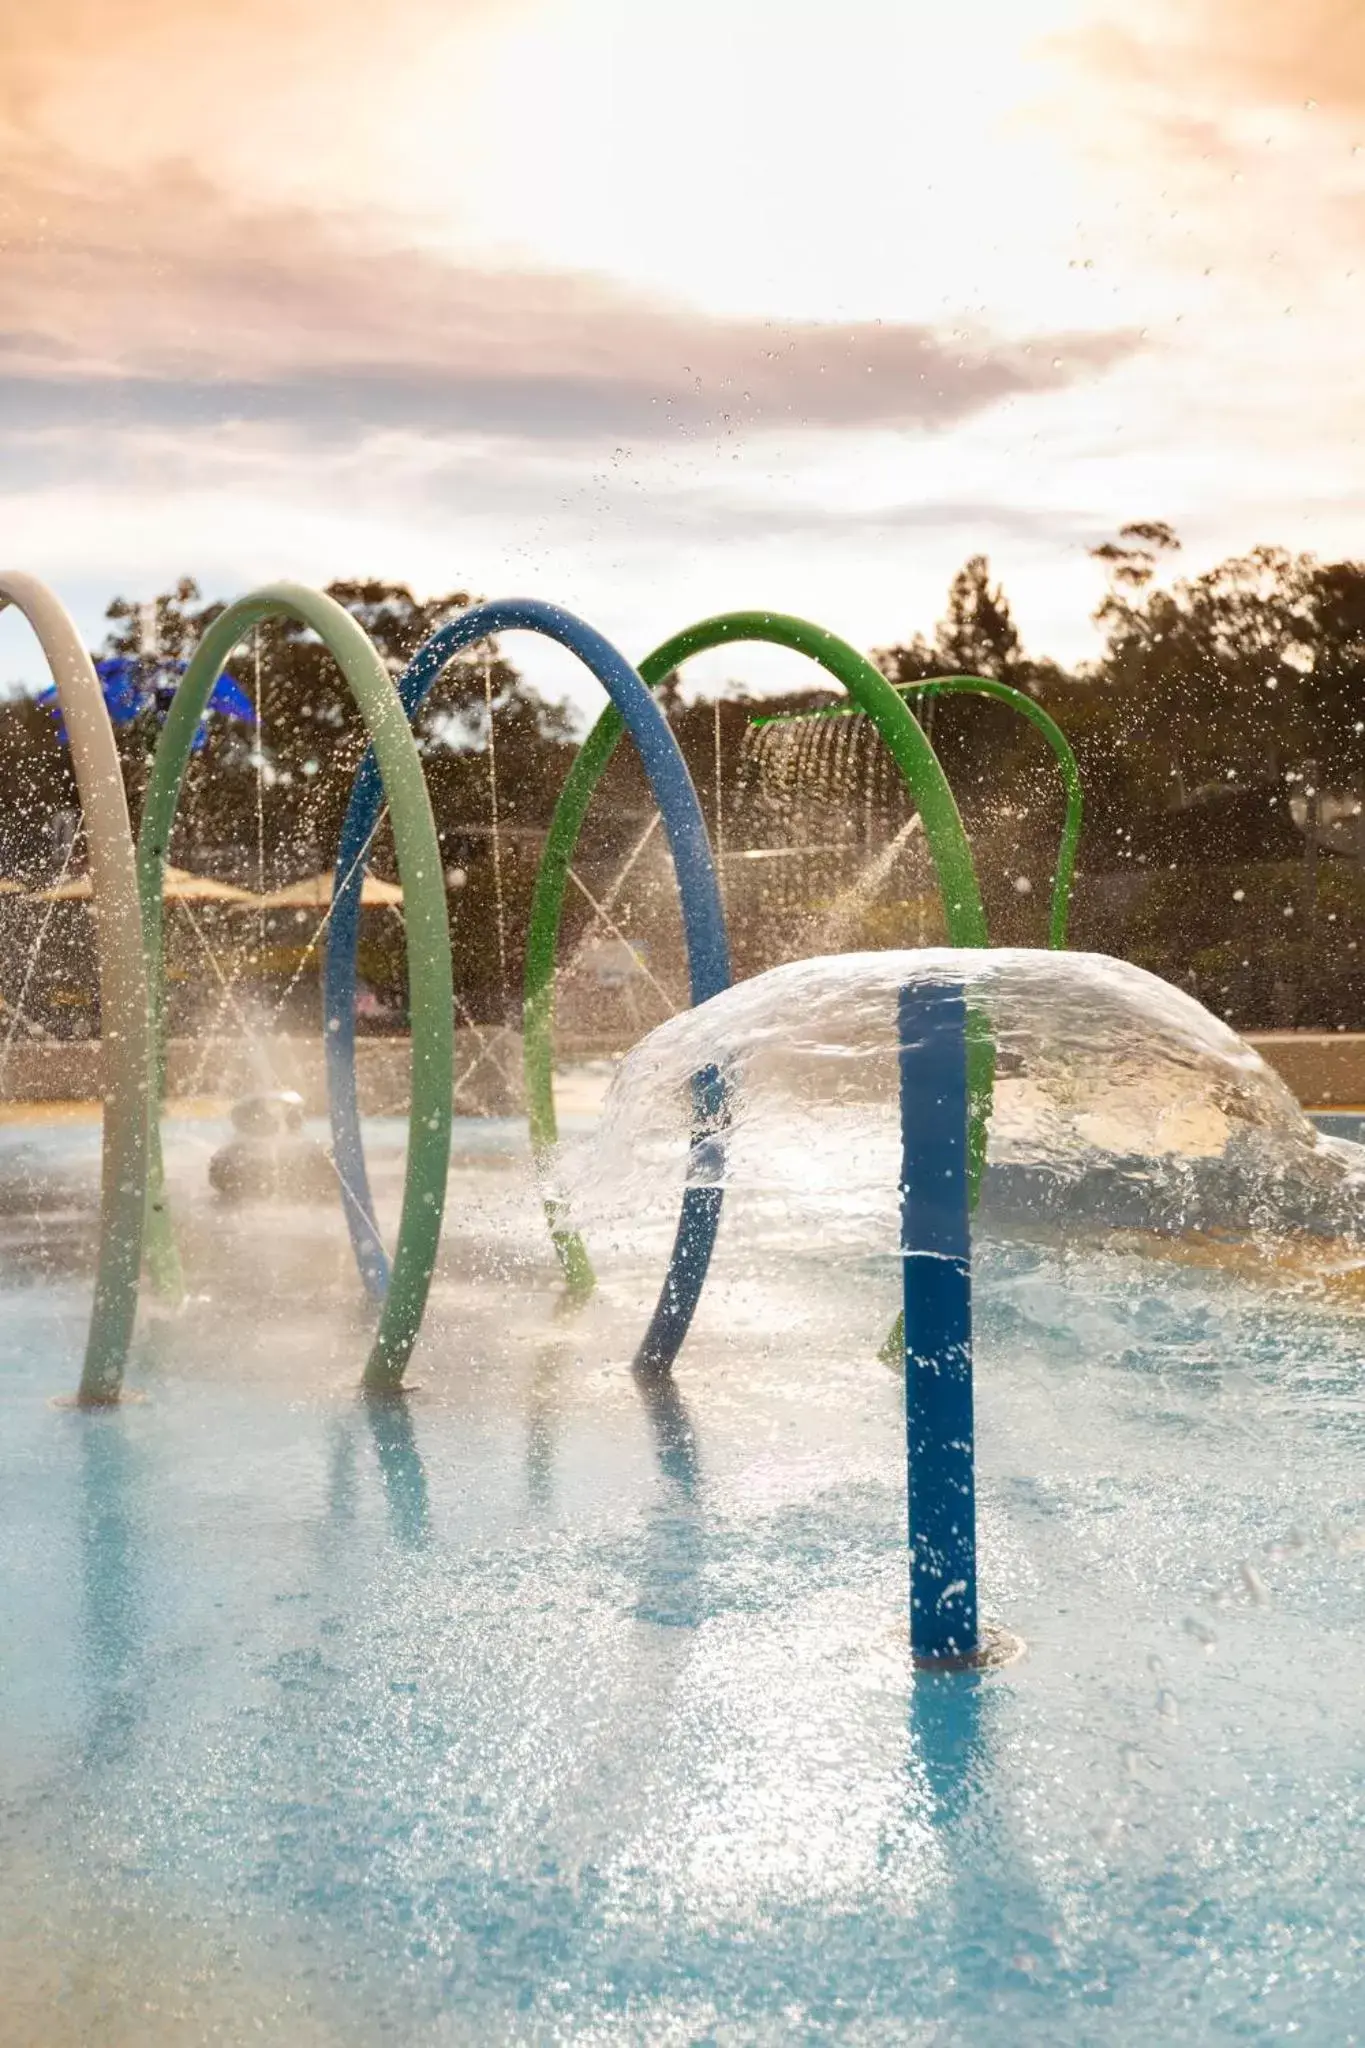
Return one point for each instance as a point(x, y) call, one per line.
point(1213, 58)
point(708, 515)
point(194, 56)
point(152, 301)
point(644, 397)
point(1283, 52)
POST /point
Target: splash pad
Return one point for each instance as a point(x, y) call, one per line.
point(558, 1701)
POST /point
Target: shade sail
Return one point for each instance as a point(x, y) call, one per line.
point(314, 892)
point(180, 886)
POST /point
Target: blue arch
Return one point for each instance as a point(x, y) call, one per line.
point(708, 951)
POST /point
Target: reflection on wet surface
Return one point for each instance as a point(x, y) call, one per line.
point(546, 1704)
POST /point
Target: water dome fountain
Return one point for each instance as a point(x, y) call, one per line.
point(581, 1684)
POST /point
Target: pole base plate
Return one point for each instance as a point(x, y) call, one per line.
point(996, 1648)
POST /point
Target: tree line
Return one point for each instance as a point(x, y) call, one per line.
point(1214, 702)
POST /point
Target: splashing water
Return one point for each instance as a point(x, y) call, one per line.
point(851, 904)
point(1120, 1104)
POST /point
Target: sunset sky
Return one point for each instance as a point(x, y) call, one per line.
point(657, 310)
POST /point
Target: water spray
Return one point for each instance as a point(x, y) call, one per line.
point(632, 709)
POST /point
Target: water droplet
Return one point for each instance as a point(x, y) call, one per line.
point(1257, 1590)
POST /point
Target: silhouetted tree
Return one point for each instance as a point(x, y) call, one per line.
point(977, 635)
point(1131, 561)
point(1194, 727)
point(1209, 676)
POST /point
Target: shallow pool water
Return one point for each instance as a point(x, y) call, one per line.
point(529, 1710)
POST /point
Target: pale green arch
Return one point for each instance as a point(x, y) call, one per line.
point(125, 1041)
point(430, 980)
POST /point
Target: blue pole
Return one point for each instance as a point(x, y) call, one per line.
point(695, 1236)
point(940, 1445)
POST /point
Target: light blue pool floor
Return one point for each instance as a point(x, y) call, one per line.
point(525, 1712)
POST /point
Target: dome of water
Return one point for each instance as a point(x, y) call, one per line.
point(1119, 1104)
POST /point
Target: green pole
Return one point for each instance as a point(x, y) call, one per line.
point(430, 981)
point(924, 778)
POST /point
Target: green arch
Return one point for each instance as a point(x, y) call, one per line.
point(430, 980)
point(943, 831)
point(1064, 875)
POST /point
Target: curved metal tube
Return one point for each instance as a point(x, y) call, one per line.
point(632, 707)
point(398, 769)
point(986, 686)
point(125, 1038)
point(1020, 701)
point(924, 778)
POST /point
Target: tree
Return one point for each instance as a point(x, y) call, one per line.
point(977, 635)
point(1132, 560)
point(1207, 677)
point(37, 786)
point(239, 791)
point(266, 808)
point(1331, 654)
point(981, 744)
